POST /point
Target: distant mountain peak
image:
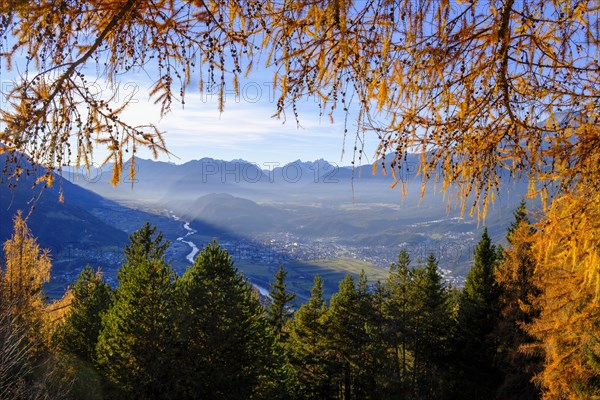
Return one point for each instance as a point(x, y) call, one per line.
point(319, 162)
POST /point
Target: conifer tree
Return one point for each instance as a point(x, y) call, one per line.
point(567, 254)
point(16, 356)
point(566, 334)
point(520, 216)
point(27, 268)
point(279, 312)
point(382, 357)
point(146, 244)
point(353, 351)
point(370, 355)
point(399, 315)
point(28, 369)
point(477, 375)
point(227, 346)
point(431, 323)
point(308, 359)
point(347, 339)
point(279, 315)
point(91, 297)
point(404, 62)
point(518, 290)
point(135, 345)
point(77, 333)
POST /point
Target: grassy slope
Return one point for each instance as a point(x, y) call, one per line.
point(301, 274)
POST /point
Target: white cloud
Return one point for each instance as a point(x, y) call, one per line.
point(244, 127)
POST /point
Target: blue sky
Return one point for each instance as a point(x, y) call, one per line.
point(246, 129)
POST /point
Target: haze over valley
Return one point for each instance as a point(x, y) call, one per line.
point(312, 217)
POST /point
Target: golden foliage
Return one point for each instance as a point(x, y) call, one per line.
point(54, 315)
point(518, 293)
point(55, 113)
point(477, 93)
point(27, 269)
point(515, 275)
point(478, 88)
point(570, 236)
point(568, 327)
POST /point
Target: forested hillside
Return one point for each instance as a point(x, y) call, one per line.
point(205, 334)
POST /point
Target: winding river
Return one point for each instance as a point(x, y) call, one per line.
point(190, 231)
point(194, 249)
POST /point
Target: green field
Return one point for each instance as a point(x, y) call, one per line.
point(301, 274)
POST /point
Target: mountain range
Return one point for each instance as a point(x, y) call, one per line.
point(77, 226)
point(303, 214)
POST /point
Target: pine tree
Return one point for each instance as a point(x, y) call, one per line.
point(77, 333)
point(477, 317)
point(515, 277)
point(520, 216)
point(279, 315)
point(227, 346)
point(308, 359)
point(399, 314)
point(91, 297)
point(347, 339)
point(135, 345)
point(381, 356)
point(430, 322)
point(146, 244)
point(279, 312)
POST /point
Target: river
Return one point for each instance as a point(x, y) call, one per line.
point(190, 231)
point(194, 249)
